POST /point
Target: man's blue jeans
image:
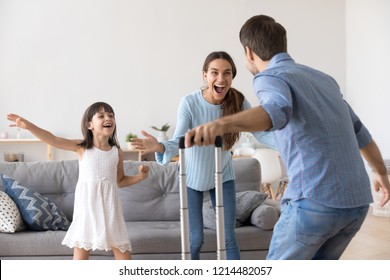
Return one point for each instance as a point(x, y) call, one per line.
point(309, 230)
point(195, 205)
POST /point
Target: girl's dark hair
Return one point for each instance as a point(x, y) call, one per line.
point(264, 36)
point(233, 101)
point(87, 143)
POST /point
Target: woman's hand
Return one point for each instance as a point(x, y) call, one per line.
point(148, 144)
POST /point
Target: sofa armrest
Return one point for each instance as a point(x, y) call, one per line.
point(264, 217)
point(273, 203)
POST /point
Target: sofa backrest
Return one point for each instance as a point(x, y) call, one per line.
point(53, 179)
point(248, 174)
point(155, 198)
point(158, 198)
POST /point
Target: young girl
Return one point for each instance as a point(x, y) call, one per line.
point(98, 221)
point(217, 98)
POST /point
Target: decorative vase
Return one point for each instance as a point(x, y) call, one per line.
point(130, 146)
point(4, 135)
point(162, 136)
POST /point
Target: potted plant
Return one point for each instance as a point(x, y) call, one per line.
point(162, 132)
point(128, 138)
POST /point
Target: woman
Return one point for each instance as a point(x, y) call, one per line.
point(216, 99)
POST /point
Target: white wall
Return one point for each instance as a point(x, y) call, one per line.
point(58, 57)
point(368, 61)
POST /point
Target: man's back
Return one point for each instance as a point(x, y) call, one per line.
point(317, 133)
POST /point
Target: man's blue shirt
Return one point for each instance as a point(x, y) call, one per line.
point(317, 134)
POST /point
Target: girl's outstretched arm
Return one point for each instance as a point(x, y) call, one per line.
point(125, 180)
point(44, 135)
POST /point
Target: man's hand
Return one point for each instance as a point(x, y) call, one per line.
point(204, 135)
point(381, 182)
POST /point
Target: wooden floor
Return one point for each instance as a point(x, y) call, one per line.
point(372, 242)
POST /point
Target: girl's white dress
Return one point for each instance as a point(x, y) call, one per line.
point(98, 222)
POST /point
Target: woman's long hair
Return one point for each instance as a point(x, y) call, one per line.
point(233, 103)
point(234, 99)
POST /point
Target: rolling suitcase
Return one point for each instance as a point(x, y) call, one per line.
point(185, 243)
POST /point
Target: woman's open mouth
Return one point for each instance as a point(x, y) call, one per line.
point(219, 88)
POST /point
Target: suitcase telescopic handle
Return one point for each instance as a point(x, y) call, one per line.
point(184, 215)
point(218, 142)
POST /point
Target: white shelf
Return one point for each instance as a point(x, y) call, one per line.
point(132, 152)
point(27, 141)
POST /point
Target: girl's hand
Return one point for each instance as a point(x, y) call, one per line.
point(18, 121)
point(45, 136)
point(143, 171)
point(147, 145)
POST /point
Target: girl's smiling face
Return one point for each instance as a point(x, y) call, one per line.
point(218, 79)
point(103, 123)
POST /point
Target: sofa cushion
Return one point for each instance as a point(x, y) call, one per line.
point(246, 202)
point(209, 219)
point(264, 217)
point(143, 236)
point(10, 218)
point(38, 212)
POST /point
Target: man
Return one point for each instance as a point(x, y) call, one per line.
point(320, 139)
